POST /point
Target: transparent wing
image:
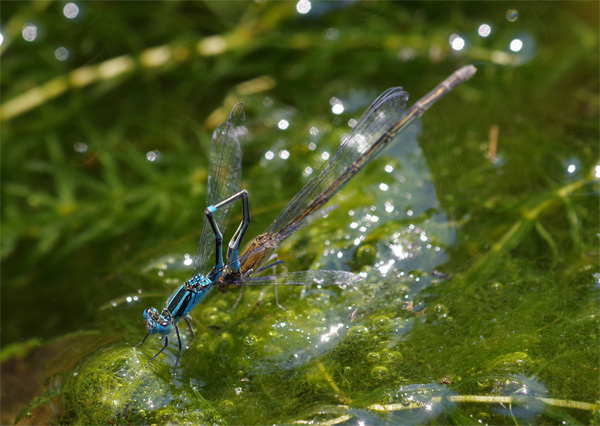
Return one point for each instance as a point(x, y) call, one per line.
point(224, 175)
point(371, 134)
point(381, 124)
point(319, 277)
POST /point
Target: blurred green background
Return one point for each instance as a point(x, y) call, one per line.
point(106, 116)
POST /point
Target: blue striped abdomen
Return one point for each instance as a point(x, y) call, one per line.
point(188, 296)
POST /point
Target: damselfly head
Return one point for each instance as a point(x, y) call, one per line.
point(156, 323)
point(151, 313)
point(151, 318)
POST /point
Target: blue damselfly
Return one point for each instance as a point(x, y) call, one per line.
point(385, 119)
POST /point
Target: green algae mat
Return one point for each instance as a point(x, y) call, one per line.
point(475, 233)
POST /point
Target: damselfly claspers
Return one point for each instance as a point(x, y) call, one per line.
point(385, 119)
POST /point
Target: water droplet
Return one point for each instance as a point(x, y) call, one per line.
point(303, 6)
point(251, 340)
point(153, 155)
point(456, 42)
point(338, 108)
point(512, 15)
point(332, 34)
point(391, 357)
point(373, 357)
point(61, 53)
point(379, 372)
point(71, 10)
point(30, 32)
point(80, 147)
point(516, 45)
point(484, 30)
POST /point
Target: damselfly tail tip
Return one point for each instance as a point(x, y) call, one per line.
point(467, 71)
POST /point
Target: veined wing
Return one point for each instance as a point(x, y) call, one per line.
point(383, 122)
point(303, 209)
point(318, 277)
point(380, 125)
point(224, 176)
point(362, 144)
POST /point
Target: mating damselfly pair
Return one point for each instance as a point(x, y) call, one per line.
point(383, 122)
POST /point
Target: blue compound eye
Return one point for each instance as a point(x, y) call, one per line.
point(151, 313)
point(151, 327)
point(164, 327)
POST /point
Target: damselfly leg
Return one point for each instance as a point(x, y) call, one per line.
point(273, 265)
point(234, 245)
